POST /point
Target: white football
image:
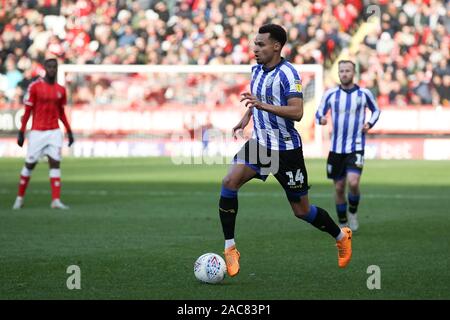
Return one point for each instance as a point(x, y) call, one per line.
point(210, 268)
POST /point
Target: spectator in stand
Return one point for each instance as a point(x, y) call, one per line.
point(217, 32)
point(414, 56)
point(13, 76)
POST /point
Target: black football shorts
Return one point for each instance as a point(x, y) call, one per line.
point(287, 166)
point(339, 164)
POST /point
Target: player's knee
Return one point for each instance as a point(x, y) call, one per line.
point(230, 183)
point(300, 210)
point(53, 164)
point(30, 166)
point(301, 214)
point(340, 189)
point(353, 185)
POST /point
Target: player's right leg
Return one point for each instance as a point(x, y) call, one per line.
point(245, 166)
point(237, 176)
point(55, 183)
point(25, 176)
point(37, 141)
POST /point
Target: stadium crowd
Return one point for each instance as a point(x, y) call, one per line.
point(404, 62)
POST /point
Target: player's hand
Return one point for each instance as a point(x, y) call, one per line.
point(20, 138)
point(251, 101)
point(71, 139)
point(238, 130)
point(366, 127)
point(323, 121)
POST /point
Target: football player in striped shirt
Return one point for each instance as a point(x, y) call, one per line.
point(275, 102)
point(45, 100)
point(348, 103)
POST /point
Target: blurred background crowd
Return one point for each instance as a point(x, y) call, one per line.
point(404, 61)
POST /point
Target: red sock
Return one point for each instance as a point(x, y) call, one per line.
point(55, 183)
point(23, 184)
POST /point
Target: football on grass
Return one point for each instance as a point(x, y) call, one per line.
point(210, 268)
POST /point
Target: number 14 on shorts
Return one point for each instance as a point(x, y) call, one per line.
point(298, 177)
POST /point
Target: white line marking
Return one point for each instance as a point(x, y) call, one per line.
point(107, 193)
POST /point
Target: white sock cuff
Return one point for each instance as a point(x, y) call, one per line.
point(229, 243)
point(340, 236)
point(55, 173)
point(26, 172)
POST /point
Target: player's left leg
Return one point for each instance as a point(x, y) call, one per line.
point(53, 152)
point(293, 177)
point(341, 203)
point(354, 191)
point(354, 164)
point(55, 183)
point(319, 218)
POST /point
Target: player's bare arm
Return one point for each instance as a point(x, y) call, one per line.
point(21, 134)
point(293, 110)
point(366, 127)
point(62, 116)
point(243, 123)
point(323, 121)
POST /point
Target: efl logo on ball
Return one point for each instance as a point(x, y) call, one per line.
point(210, 268)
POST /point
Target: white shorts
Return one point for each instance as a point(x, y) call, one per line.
point(40, 143)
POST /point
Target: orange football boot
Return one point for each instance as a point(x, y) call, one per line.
point(344, 248)
point(232, 260)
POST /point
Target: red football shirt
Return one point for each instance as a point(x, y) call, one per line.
point(46, 102)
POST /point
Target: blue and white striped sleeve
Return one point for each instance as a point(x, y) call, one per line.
point(324, 105)
point(291, 82)
point(373, 106)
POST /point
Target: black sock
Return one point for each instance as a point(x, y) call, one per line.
point(324, 223)
point(341, 210)
point(228, 208)
point(353, 201)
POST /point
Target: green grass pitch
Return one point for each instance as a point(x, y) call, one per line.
point(136, 226)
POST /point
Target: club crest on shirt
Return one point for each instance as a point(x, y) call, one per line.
point(270, 81)
point(59, 95)
point(298, 85)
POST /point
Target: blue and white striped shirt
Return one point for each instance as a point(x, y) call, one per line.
point(348, 113)
point(275, 86)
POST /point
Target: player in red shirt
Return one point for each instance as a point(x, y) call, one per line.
point(45, 100)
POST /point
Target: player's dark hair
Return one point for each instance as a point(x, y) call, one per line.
point(348, 61)
point(276, 31)
point(50, 60)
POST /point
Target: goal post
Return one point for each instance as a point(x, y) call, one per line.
point(131, 82)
